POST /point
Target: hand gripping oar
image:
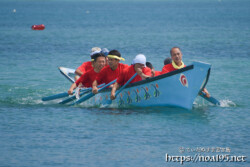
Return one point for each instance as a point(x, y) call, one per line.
point(60, 95)
point(86, 97)
point(210, 99)
point(108, 102)
point(74, 97)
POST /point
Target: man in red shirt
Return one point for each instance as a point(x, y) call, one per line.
point(110, 72)
point(177, 63)
point(139, 66)
point(87, 78)
point(87, 65)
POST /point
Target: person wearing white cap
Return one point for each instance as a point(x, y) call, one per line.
point(86, 66)
point(140, 59)
point(138, 66)
point(111, 71)
point(88, 77)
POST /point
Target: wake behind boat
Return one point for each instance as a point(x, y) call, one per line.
point(177, 88)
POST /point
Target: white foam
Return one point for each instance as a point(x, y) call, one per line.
point(199, 103)
point(227, 103)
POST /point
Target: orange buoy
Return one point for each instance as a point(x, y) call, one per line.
point(38, 27)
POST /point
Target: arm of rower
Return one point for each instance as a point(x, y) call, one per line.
point(71, 89)
point(206, 92)
point(141, 74)
point(94, 87)
point(115, 87)
point(78, 72)
point(153, 72)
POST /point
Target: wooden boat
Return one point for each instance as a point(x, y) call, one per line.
point(178, 88)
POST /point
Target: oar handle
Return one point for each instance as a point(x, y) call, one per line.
point(109, 101)
point(125, 84)
point(110, 83)
point(82, 92)
point(86, 97)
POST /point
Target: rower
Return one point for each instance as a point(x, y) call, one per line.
point(86, 66)
point(111, 71)
point(138, 66)
point(177, 63)
point(86, 80)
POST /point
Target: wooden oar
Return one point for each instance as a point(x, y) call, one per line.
point(86, 97)
point(60, 95)
point(74, 97)
point(210, 99)
point(108, 102)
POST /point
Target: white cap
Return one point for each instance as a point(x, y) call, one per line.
point(95, 49)
point(95, 52)
point(140, 58)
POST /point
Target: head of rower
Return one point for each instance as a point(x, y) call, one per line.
point(176, 55)
point(86, 79)
point(114, 58)
point(86, 65)
point(139, 63)
point(99, 61)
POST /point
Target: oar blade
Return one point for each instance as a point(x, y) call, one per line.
point(53, 97)
point(210, 99)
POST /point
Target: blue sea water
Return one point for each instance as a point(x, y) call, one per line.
point(35, 133)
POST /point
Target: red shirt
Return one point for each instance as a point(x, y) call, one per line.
point(86, 66)
point(107, 75)
point(157, 73)
point(129, 72)
point(87, 78)
point(168, 68)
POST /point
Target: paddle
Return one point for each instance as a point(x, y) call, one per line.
point(210, 99)
point(60, 95)
point(74, 97)
point(108, 102)
point(86, 97)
